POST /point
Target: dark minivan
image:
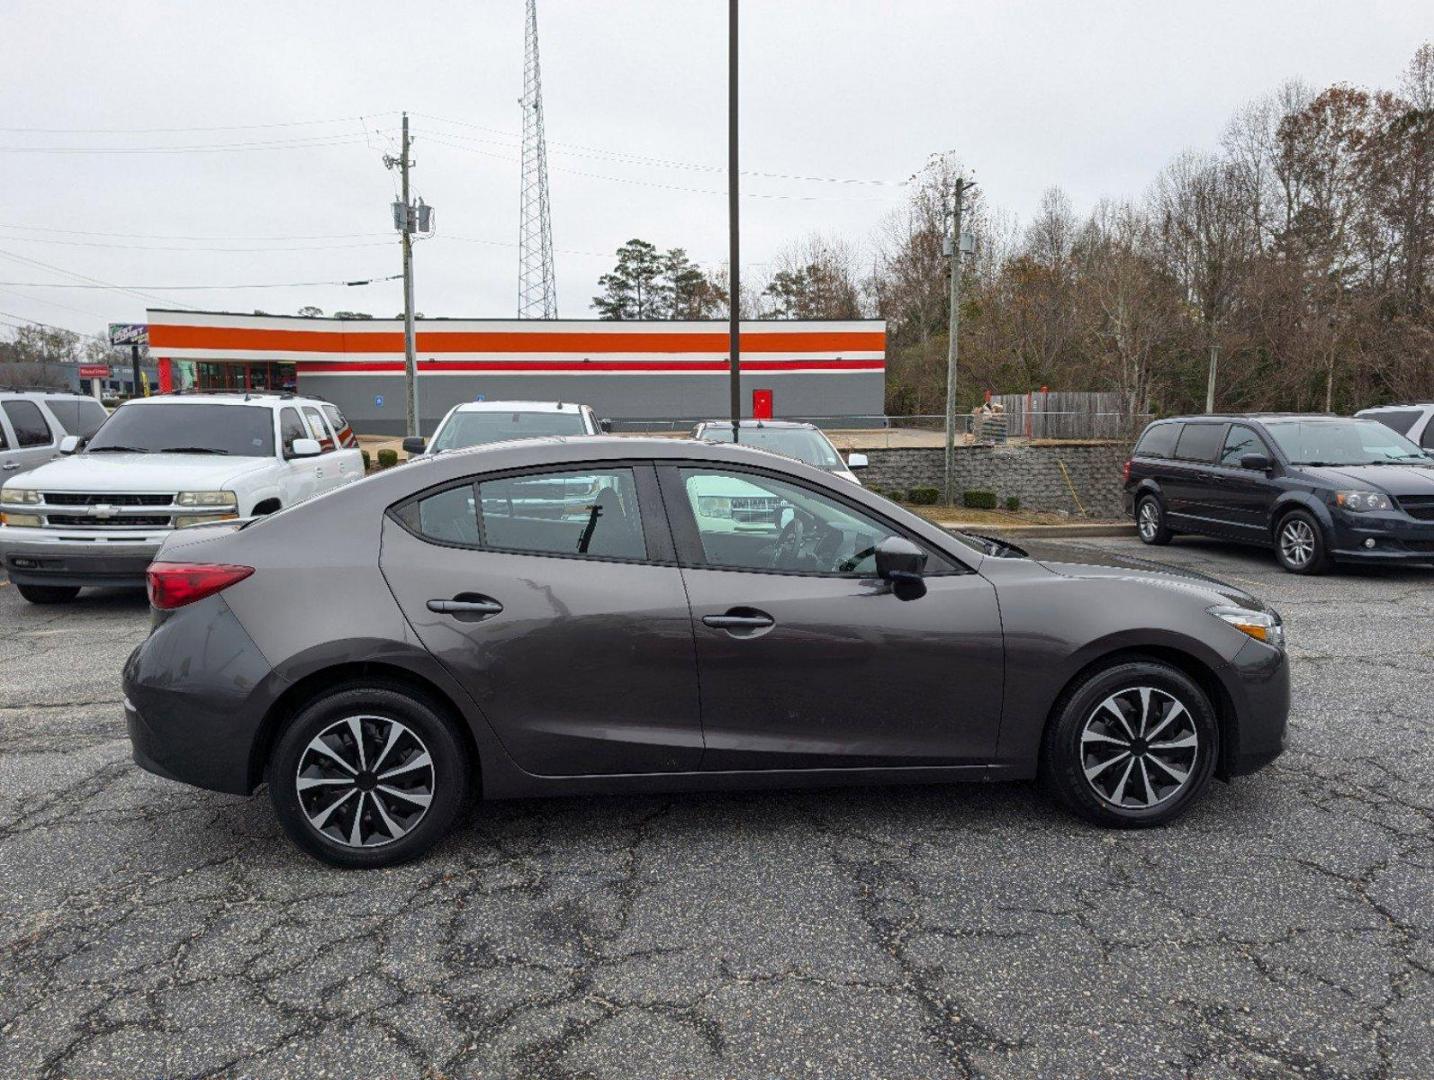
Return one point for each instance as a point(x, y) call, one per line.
point(1315, 488)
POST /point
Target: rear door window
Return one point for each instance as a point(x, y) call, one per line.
point(592, 513)
point(1159, 441)
point(1199, 442)
point(31, 428)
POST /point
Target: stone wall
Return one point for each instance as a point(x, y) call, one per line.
point(1030, 473)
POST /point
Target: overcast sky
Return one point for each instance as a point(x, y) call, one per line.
point(1093, 97)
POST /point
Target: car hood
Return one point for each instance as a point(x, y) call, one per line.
point(1393, 480)
point(141, 472)
point(1090, 562)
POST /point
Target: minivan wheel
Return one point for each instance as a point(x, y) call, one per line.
point(1300, 544)
point(368, 776)
point(1150, 521)
point(49, 594)
point(1131, 746)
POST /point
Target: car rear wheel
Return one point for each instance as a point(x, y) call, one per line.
point(49, 594)
point(1131, 746)
point(1300, 544)
point(368, 776)
point(1150, 521)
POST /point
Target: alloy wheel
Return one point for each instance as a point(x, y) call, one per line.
point(1149, 520)
point(1297, 542)
point(1139, 748)
point(365, 781)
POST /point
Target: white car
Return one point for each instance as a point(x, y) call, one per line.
point(473, 423)
point(32, 423)
point(97, 515)
point(804, 442)
point(1414, 421)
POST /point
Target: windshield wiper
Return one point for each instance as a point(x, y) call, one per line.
point(192, 450)
point(116, 450)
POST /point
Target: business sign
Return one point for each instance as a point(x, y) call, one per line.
point(94, 371)
point(129, 333)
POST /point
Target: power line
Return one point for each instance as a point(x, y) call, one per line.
point(84, 277)
point(190, 288)
point(170, 236)
point(278, 144)
point(207, 127)
point(37, 322)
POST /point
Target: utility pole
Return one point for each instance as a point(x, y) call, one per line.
point(1210, 380)
point(734, 247)
point(404, 221)
point(958, 199)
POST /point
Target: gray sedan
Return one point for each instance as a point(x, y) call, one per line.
point(602, 615)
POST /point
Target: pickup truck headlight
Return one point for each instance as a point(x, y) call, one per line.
point(1260, 625)
point(19, 495)
point(1362, 501)
point(183, 520)
point(206, 498)
point(21, 521)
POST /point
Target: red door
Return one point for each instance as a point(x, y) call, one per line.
point(761, 404)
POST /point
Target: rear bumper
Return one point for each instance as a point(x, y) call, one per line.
point(30, 561)
point(1258, 682)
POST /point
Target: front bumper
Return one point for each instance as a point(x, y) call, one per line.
point(1397, 537)
point(1258, 682)
point(30, 557)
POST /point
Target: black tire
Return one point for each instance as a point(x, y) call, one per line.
point(1148, 797)
point(49, 594)
point(1150, 521)
point(1300, 544)
point(449, 779)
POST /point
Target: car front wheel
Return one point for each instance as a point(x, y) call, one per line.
point(1131, 746)
point(368, 776)
point(1300, 544)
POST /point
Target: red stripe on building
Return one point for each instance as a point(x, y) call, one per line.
point(318, 367)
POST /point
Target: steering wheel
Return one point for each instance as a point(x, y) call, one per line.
point(789, 540)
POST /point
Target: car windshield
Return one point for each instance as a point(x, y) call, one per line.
point(1341, 442)
point(477, 428)
point(803, 444)
point(207, 428)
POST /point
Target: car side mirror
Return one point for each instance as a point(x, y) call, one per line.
point(902, 564)
point(414, 444)
point(304, 448)
point(605, 426)
point(1257, 462)
point(69, 444)
point(856, 461)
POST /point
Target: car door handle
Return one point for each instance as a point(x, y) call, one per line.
point(474, 605)
point(740, 619)
point(11, 466)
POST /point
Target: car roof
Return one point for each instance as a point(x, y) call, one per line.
point(6, 392)
point(257, 399)
point(1258, 417)
point(781, 424)
point(1401, 405)
point(519, 406)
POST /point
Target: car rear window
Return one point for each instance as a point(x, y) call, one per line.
point(476, 428)
point(1199, 442)
point(1158, 440)
point(1398, 420)
point(78, 416)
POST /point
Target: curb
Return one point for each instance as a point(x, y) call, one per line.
point(1053, 531)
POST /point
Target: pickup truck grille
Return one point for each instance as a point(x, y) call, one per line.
point(84, 521)
point(105, 498)
point(1418, 506)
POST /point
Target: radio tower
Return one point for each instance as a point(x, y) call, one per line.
point(537, 292)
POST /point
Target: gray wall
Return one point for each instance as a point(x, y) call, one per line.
point(1030, 473)
point(619, 396)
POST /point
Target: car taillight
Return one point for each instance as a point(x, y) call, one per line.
point(174, 584)
point(1125, 472)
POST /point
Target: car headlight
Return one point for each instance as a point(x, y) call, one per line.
point(206, 498)
point(19, 495)
point(1362, 501)
point(183, 520)
point(1261, 625)
point(21, 521)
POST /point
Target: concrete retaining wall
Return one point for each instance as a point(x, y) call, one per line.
point(1030, 473)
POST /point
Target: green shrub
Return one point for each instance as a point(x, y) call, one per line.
point(387, 458)
point(367, 461)
point(1013, 504)
point(979, 500)
point(923, 496)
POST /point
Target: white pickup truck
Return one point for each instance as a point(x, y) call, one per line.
point(97, 515)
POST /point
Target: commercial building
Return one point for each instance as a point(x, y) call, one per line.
point(624, 370)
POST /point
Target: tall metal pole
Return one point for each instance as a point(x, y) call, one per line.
point(1210, 379)
point(734, 305)
point(410, 361)
point(955, 325)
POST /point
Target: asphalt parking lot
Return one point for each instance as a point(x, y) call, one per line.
point(1286, 926)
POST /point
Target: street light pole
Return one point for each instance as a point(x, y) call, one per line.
point(958, 197)
point(734, 304)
